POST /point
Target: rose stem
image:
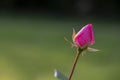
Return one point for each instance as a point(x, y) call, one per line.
point(79, 51)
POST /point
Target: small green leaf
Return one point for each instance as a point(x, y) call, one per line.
point(59, 75)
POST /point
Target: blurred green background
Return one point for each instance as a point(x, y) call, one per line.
point(32, 47)
point(32, 44)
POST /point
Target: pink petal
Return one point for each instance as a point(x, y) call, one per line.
point(85, 37)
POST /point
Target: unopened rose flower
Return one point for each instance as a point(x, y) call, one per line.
point(85, 37)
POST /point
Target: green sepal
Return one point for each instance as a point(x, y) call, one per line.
point(92, 49)
point(73, 34)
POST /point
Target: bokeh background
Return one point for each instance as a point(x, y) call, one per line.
point(32, 43)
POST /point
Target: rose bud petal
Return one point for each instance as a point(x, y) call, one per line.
point(85, 37)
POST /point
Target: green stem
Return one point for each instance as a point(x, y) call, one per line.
point(79, 51)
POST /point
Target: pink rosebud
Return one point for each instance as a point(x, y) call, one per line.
point(85, 37)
